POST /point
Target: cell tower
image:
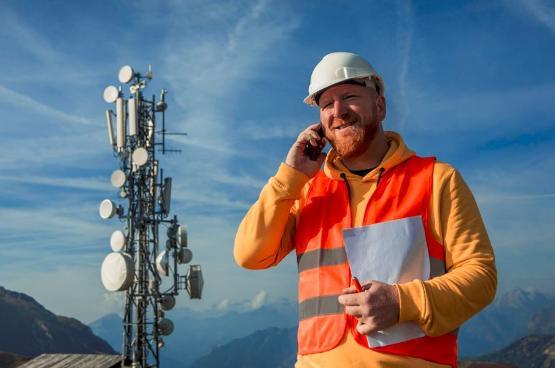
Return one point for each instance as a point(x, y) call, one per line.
point(137, 263)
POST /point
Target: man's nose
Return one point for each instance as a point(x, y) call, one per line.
point(339, 109)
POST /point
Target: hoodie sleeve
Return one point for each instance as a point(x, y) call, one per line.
point(442, 304)
point(266, 234)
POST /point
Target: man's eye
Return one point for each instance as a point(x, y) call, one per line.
point(326, 105)
point(350, 97)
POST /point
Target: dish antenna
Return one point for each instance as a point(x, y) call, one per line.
point(117, 271)
point(117, 241)
point(111, 94)
point(126, 74)
point(138, 262)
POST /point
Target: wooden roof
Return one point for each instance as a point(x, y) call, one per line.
point(74, 361)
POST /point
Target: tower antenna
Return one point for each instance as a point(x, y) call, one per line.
point(138, 263)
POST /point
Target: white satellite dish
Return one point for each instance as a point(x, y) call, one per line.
point(140, 156)
point(182, 235)
point(126, 74)
point(184, 255)
point(117, 271)
point(117, 241)
point(111, 94)
point(107, 209)
point(162, 263)
point(167, 302)
point(118, 178)
point(165, 326)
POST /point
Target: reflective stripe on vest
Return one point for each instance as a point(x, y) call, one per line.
point(323, 266)
point(334, 256)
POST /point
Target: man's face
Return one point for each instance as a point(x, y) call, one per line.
point(350, 115)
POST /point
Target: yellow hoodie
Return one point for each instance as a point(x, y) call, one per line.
point(440, 305)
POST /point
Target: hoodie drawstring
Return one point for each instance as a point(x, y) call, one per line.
point(344, 177)
point(380, 175)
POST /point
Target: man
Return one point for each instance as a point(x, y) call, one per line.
point(376, 209)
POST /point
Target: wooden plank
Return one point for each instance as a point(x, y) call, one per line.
point(73, 361)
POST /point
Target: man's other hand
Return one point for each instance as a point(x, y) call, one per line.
point(376, 307)
point(298, 159)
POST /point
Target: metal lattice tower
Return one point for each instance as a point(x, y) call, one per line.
point(138, 262)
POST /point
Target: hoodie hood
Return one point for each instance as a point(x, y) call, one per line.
point(397, 153)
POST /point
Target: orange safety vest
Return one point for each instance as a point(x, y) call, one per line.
point(403, 191)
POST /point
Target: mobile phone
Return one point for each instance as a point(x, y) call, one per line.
point(314, 151)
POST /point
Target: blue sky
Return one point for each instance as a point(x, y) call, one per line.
point(470, 82)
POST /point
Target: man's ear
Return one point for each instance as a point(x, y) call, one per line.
point(381, 107)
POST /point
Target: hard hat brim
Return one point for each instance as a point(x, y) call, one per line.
point(311, 98)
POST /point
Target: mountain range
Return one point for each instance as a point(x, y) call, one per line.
point(518, 327)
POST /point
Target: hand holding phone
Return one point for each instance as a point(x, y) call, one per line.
point(313, 152)
point(305, 156)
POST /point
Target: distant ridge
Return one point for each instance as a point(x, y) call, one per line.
point(29, 329)
point(530, 352)
point(272, 347)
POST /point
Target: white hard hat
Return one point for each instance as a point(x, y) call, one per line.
point(339, 67)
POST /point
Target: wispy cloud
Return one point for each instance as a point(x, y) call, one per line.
point(516, 197)
point(47, 149)
point(44, 62)
point(268, 129)
point(27, 103)
point(543, 12)
point(25, 37)
point(95, 184)
point(212, 200)
point(44, 228)
point(208, 74)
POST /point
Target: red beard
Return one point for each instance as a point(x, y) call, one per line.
point(354, 140)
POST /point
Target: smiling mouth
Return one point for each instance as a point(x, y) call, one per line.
point(343, 125)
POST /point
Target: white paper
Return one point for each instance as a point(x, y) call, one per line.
point(391, 252)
